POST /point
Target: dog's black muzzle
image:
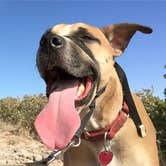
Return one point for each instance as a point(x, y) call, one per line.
point(60, 52)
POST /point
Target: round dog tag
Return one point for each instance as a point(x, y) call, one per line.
point(105, 157)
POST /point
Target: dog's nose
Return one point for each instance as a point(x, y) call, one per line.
point(56, 41)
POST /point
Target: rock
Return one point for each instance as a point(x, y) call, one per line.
point(38, 157)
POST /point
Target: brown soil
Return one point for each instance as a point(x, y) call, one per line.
point(18, 149)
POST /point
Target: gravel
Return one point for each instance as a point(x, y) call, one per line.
point(19, 149)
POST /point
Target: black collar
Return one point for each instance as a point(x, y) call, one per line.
point(130, 102)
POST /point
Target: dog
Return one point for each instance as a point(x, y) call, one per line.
point(77, 61)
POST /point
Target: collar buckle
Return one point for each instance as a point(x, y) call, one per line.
point(142, 130)
point(107, 142)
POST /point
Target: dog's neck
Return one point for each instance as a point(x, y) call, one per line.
point(103, 116)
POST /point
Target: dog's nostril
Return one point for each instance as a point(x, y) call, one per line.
point(43, 41)
point(56, 41)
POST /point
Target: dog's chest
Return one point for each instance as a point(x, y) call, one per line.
point(115, 162)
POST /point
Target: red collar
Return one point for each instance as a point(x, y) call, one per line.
point(111, 129)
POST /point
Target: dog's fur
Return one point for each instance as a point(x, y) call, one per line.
point(105, 44)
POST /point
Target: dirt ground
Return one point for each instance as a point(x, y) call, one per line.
point(18, 149)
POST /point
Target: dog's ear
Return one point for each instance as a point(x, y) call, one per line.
point(119, 35)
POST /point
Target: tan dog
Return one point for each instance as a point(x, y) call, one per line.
point(85, 53)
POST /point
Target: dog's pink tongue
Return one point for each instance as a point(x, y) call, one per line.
point(59, 120)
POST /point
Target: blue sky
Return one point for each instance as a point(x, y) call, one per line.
point(23, 22)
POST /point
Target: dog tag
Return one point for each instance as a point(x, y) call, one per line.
point(105, 157)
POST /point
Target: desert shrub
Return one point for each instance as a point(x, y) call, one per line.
point(9, 109)
point(21, 111)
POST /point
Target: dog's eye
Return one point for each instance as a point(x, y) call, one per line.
point(87, 38)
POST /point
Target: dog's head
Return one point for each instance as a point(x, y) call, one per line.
point(76, 61)
point(82, 53)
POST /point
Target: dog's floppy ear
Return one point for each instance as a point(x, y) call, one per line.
point(119, 35)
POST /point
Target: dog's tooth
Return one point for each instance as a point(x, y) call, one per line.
point(80, 90)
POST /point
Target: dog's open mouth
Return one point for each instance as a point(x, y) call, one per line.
point(58, 79)
point(59, 120)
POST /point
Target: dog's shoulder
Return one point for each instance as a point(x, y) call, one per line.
point(139, 105)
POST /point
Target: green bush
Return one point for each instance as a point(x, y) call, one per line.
point(21, 111)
